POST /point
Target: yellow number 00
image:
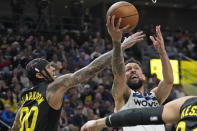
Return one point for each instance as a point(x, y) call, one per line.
point(24, 117)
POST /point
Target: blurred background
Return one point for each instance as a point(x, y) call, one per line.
point(72, 33)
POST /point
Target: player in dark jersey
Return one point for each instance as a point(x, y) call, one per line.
point(41, 104)
point(182, 110)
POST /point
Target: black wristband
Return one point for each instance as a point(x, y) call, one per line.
point(136, 116)
point(108, 121)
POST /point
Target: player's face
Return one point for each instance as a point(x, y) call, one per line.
point(134, 75)
point(51, 71)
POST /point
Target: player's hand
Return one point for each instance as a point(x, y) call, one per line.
point(93, 125)
point(158, 41)
point(131, 40)
point(114, 30)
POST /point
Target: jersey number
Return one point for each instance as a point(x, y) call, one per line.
point(182, 126)
point(25, 116)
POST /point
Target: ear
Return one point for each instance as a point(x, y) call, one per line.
point(38, 75)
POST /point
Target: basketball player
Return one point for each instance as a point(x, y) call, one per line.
point(182, 110)
point(41, 104)
point(128, 86)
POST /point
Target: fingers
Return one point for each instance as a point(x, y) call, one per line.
point(118, 24)
point(112, 22)
point(158, 32)
point(125, 28)
point(152, 39)
point(108, 21)
point(83, 128)
point(138, 34)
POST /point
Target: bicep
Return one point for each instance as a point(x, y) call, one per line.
point(162, 91)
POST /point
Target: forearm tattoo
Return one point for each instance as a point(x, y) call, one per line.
point(118, 66)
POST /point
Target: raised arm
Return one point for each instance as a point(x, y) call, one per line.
point(118, 65)
point(165, 86)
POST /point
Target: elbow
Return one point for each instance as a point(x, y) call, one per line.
point(170, 82)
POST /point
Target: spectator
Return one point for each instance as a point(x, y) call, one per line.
point(69, 111)
point(10, 100)
point(57, 64)
point(7, 115)
point(87, 94)
point(179, 91)
point(79, 119)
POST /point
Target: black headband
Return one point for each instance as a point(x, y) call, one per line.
point(37, 66)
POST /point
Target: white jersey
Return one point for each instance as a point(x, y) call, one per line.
point(136, 100)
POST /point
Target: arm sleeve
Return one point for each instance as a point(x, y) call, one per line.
point(136, 116)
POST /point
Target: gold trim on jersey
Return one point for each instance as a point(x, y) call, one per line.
point(32, 96)
point(189, 111)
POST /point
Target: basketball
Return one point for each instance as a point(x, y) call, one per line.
point(127, 12)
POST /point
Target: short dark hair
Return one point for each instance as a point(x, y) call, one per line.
point(133, 60)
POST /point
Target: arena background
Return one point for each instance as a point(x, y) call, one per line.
point(72, 33)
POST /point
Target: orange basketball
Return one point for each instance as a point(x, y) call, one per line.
point(127, 12)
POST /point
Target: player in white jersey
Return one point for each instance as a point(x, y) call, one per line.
point(137, 100)
point(128, 85)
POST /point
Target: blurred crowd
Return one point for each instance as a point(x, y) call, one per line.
point(69, 51)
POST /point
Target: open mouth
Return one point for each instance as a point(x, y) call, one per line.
point(134, 77)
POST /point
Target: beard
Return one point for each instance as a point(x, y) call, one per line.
point(135, 86)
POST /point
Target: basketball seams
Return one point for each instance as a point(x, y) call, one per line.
point(129, 16)
point(114, 11)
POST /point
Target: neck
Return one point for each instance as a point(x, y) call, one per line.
point(141, 90)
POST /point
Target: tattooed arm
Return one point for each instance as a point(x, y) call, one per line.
point(57, 88)
point(16, 125)
point(119, 89)
point(118, 69)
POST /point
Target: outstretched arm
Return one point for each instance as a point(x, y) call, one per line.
point(169, 113)
point(165, 86)
point(57, 88)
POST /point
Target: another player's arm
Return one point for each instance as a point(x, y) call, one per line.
point(57, 88)
point(165, 86)
point(16, 125)
point(168, 113)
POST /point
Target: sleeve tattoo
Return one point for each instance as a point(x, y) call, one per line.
point(118, 69)
point(70, 80)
